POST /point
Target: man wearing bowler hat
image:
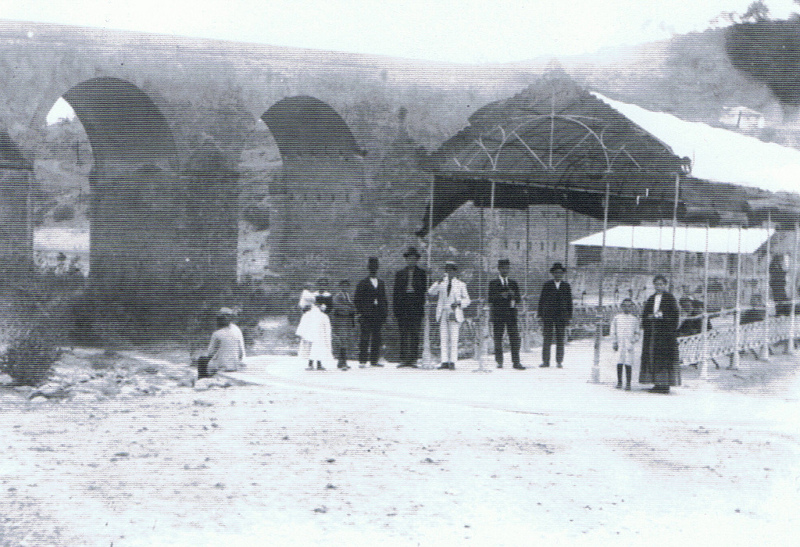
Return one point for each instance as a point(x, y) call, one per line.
point(504, 299)
point(372, 308)
point(408, 300)
point(555, 313)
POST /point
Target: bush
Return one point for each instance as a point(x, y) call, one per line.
point(29, 359)
point(257, 216)
point(63, 212)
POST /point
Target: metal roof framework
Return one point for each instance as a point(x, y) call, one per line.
point(557, 143)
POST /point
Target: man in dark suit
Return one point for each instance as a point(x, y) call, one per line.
point(555, 312)
point(408, 299)
point(372, 307)
point(504, 298)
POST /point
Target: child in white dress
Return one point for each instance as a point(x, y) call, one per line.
point(626, 335)
point(314, 331)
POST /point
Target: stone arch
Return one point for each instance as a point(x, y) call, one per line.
point(141, 212)
point(122, 122)
point(305, 125)
point(321, 159)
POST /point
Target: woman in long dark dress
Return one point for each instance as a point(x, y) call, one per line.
point(660, 360)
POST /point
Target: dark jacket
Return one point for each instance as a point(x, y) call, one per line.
point(370, 302)
point(500, 304)
point(659, 343)
point(555, 304)
point(409, 304)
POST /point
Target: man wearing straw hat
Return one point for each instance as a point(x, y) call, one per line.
point(555, 312)
point(452, 299)
point(408, 302)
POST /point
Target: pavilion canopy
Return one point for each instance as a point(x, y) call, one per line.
point(556, 143)
point(717, 154)
point(687, 238)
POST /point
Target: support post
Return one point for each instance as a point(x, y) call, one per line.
point(704, 331)
point(767, 306)
point(427, 358)
point(481, 325)
point(792, 321)
point(674, 233)
point(526, 322)
point(598, 335)
point(737, 338)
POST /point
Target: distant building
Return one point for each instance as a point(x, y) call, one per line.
point(742, 118)
point(61, 250)
point(546, 230)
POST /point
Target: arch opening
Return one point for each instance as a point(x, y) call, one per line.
point(318, 193)
point(122, 122)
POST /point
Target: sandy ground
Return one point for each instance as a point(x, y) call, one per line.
point(410, 457)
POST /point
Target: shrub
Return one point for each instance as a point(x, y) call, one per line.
point(29, 359)
point(257, 216)
point(63, 212)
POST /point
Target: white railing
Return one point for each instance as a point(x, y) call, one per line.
point(721, 342)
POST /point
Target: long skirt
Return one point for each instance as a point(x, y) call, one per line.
point(660, 363)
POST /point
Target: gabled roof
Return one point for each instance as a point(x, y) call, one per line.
point(558, 129)
point(555, 143)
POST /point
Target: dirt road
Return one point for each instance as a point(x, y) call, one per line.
point(369, 458)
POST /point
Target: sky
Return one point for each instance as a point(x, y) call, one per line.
point(463, 31)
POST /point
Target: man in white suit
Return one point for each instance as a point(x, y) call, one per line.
point(452, 299)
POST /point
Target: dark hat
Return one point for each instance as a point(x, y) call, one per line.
point(503, 262)
point(372, 262)
point(450, 265)
point(412, 251)
point(557, 266)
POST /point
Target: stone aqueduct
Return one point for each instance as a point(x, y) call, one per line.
point(168, 118)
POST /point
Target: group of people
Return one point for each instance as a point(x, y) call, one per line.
point(328, 324)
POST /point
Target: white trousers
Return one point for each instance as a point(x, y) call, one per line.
point(448, 335)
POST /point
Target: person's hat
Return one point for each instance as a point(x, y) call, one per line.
point(450, 265)
point(225, 311)
point(558, 267)
point(503, 262)
point(372, 262)
point(412, 251)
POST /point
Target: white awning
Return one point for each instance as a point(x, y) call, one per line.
point(61, 239)
point(719, 155)
point(687, 238)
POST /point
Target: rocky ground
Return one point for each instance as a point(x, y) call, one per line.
point(123, 448)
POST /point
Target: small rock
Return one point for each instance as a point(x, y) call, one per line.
point(84, 397)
